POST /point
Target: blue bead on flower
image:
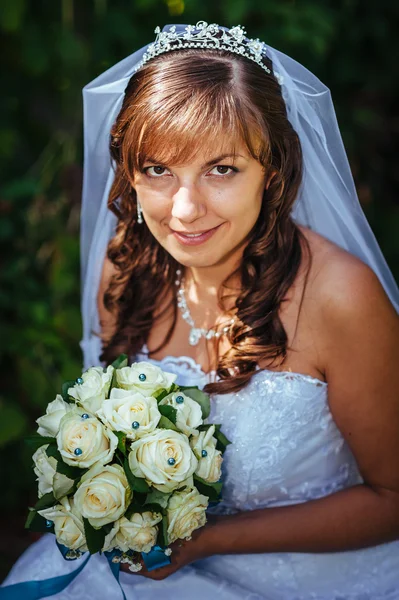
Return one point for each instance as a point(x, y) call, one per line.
point(179, 399)
point(171, 461)
point(142, 376)
point(78, 451)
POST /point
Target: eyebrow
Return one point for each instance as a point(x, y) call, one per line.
point(211, 162)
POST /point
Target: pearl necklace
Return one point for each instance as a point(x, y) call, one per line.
point(196, 333)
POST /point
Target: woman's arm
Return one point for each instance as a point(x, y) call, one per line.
point(360, 350)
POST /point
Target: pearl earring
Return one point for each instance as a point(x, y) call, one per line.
point(139, 213)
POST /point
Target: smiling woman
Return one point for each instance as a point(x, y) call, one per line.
point(227, 166)
point(202, 145)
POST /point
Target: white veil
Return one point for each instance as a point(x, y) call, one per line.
point(327, 202)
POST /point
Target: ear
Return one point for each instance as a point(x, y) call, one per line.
point(269, 178)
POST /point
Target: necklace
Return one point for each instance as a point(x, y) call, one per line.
point(196, 333)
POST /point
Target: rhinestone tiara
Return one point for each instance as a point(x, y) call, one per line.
point(211, 36)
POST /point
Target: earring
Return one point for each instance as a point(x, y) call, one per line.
point(139, 213)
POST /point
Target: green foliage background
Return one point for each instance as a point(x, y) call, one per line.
point(49, 50)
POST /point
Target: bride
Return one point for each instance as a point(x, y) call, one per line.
point(235, 254)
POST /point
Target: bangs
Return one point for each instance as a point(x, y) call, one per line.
point(173, 130)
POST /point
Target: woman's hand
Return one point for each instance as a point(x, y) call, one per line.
point(183, 553)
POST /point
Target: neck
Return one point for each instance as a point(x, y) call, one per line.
point(202, 284)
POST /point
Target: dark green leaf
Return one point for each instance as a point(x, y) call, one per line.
point(62, 467)
point(35, 441)
point(165, 423)
point(120, 362)
point(135, 507)
point(46, 501)
point(137, 484)
point(212, 490)
point(202, 399)
point(94, 537)
point(168, 411)
point(64, 390)
point(36, 522)
point(162, 538)
point(222, 441)
point(121, 441)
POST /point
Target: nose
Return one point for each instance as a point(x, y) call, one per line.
point(188, 204)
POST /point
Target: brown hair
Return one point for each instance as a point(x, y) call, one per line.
point(189, 96)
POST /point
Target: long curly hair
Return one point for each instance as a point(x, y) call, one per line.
point(174, 105)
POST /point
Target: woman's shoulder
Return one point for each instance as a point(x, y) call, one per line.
point(342, 285)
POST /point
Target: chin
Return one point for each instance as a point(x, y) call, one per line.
point(196, 258)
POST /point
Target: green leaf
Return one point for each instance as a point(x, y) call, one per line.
point(168, 411)
point(36, 522)
point(137, 484)
point(161, 394)
point(120, 362)
point(64, 390)
point(212, 490)
point(221, 440)
point(165, 423)
point(46, 501)
point(36, 441)
point(62, 467)
point(202, 399)
point(162, 538)
point(121, 441)
point(159, 498)
point(135, 507)
point(94, 537)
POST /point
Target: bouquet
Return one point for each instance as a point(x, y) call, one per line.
point(125, 463)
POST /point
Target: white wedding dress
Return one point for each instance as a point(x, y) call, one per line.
point(285, 449)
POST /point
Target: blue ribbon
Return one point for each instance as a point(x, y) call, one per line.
point(155, 558)
point(35, 590)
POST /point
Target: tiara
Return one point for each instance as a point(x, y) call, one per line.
point(211, 36)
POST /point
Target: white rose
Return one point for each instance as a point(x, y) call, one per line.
point(50, 422)
point(94, 389)
point(103, 494)
point(68, 524)
point(209, 459)
point(164, 458)
point(185, 512)
point(48, 479)
point(139, 533)
point(126, 407)
point(144, 377)
point(83, 440)
point(189, 413)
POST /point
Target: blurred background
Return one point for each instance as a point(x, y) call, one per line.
point(48, 51)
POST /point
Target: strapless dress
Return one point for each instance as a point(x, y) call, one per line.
point(286, 449)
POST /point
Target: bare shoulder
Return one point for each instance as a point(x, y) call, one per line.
point(341, 285)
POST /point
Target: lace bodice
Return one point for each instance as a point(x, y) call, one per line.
point(277, 425)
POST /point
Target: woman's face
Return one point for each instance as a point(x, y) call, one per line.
point(216, 197)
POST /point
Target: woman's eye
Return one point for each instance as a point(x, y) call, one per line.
point(223, 170)
point(156, 171)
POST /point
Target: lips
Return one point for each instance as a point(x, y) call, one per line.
point(195, 238)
